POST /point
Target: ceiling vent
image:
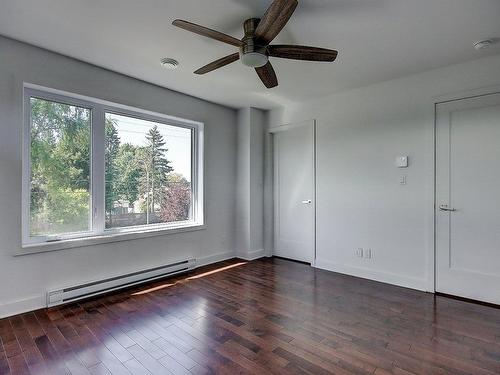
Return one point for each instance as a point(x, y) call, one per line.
point(169, 63)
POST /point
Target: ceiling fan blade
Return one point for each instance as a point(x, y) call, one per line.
point(267, 75)
point(275, 18)
point(302, 53)
point(209, 33)
point(218, 63)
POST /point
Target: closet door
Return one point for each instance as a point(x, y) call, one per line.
point(468, 198)
point(294, 203)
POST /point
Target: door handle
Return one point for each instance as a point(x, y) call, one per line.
point(444, 207)
point(308, 201)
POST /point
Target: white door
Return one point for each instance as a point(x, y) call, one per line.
point(468, 198)
point(294, 206)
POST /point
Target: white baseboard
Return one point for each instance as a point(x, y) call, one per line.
point(38, 302)
point(381, 276)
point(251, 255)
point(219, 257)
point(21, 306)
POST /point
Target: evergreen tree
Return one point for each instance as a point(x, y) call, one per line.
point(127, 184)
point(155, 167)
point(112, 173)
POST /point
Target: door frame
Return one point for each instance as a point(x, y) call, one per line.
point(272, 132)
point(437, 100)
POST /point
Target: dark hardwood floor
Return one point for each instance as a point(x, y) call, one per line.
point(269, 316)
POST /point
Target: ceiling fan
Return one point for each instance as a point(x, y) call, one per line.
point(255, 48)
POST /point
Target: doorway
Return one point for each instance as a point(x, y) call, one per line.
point(294, 192)
point(468, 198)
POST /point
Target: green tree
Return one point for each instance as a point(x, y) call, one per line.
point(60, 167)
point(154, 169)
point(127, 163)
point(112, 172)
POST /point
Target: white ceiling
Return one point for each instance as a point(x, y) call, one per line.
point(377, 40)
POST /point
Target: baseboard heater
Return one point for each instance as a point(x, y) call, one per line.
point(94, 288)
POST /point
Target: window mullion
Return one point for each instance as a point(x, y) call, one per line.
point(98, 183)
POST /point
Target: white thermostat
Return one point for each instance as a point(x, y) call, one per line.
point(402, 162)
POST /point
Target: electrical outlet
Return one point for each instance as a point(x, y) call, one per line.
point(359, 252)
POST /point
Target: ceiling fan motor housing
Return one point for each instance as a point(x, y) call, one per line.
point(251, 53)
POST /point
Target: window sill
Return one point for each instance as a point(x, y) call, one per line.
point(106, 238)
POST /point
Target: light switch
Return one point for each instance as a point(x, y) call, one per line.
point(402, 162)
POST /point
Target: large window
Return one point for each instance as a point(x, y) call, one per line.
point(95, 169)
point(148, 172)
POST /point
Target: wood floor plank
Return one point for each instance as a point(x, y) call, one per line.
point(4, 363)
point(18, 365)
point(269, 316)
point(174, 366)
point(99, 369)
point(135, 367)
point(149, 362)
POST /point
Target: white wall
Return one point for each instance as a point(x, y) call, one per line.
point(360, 202)
point(250, 184)
point(243, 183)
point(23, 280)
point(257, 131)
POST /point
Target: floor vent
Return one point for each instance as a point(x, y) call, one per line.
point(94, 288)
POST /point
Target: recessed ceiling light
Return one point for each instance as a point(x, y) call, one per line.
point(483, 44)
point(169, 63)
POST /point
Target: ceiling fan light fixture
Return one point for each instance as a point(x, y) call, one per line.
point(254, 59)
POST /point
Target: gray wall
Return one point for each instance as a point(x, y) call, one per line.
point(360, 203)
point(25, 279)
point(250, 183)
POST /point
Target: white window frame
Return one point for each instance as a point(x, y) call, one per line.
point(98, 233)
